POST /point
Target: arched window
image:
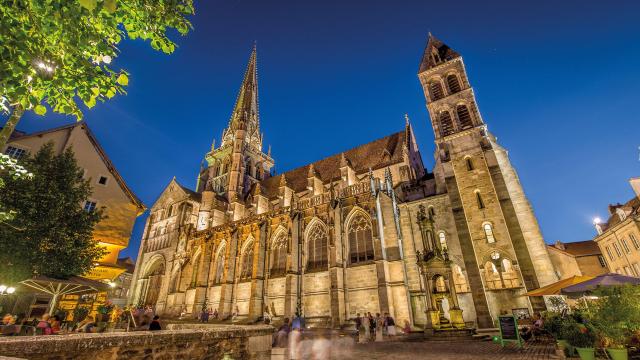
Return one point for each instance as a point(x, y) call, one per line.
point(509, 274)
point(492, 276)
point(278, 256)
point(469, 164)
point(443, 240)
point(453, 84)
point(479, 200)
point(460, 280)
point(435, 91)
point(247, 263)
point(488, 233)
point(446, 125)
point(360, 239)
point(220, 260)
point(464, 117)
point(318, 243)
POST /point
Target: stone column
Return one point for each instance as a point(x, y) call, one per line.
point(227, 286)
point(256, 304)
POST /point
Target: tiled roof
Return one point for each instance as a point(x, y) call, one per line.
point(375, 155)
point(444, 51)
point(580, 248)
point(632, 207)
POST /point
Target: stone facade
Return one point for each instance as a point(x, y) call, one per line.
point(619, 237)
point(581, 258)
point(205, 342)
point(343, 235)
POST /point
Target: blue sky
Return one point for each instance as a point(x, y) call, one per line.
point(556, 81)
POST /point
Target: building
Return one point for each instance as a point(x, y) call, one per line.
point(581, 258)
point(343, 235)
point(120, 286)
point(619, 236)
point(110, 192)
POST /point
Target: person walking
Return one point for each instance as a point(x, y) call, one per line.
point(379, 327)
point(358, 323)
point(390, 324)
point(367, 328)
point(372, 326)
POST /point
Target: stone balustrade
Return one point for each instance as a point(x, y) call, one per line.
point(181, 341)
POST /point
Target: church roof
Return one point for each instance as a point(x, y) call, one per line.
point(445, 53)
point(373, 155)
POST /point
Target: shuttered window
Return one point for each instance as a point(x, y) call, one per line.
point(446, 125)
point(464, 117)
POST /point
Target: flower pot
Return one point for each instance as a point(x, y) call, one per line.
point(586, 353)
point(618, 354)
point(566, 347)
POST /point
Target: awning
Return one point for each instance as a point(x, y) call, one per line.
point(556, 288)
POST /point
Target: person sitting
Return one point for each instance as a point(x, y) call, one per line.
point(155, 324)
point(87, 325)
point(9, 327)
point(44, 326)
point(55, 325)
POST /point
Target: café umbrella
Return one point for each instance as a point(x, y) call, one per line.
point(556, 287)
point(75, 285)
point(610, 279)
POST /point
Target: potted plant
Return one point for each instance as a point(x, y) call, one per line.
point(104, 311)
point(616, 317)
point(583, 339)
point(569, 324)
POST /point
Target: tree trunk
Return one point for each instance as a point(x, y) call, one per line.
point(10, 125)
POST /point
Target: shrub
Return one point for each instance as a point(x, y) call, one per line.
point(580, 336)
point(616, 314)
point(80, 313)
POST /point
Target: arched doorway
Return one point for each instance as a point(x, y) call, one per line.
point(153, 276)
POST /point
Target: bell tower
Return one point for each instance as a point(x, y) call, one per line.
point(502, 245)
point(239, 161)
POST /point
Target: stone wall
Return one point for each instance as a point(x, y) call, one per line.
point(182, 341)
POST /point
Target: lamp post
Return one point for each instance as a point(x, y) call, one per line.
point(5, 291)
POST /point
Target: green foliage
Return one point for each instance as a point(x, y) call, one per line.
point(58, 52)
point(80, 313)
point(580, 336)
point(105, 308)
point(9, 167)
point(52, 233)
point(616, 314)
point(553, 323)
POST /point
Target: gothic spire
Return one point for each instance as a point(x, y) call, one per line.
point(245, 114)
point(435, 53)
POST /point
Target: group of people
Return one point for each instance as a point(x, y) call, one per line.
point(206, 314)
point(370, 328)
point(46, 325)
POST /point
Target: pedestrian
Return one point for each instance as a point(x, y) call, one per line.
point(215, 314)
point(379, 327)
point(391, 325)
point(282, 337)
point(407, 327)
point(358, 323)
point(367, 328)
point(295, 344)
point(155, 324)
point(43, 325)
point(372, 326)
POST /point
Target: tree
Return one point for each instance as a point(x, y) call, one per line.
point(58, 53)
point(51, 233)
point(10, 167)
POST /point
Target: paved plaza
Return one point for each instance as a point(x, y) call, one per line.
point(441, 350)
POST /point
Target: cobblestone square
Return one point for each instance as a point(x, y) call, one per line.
point(441, 350)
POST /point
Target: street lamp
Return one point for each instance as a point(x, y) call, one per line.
point(7, 290)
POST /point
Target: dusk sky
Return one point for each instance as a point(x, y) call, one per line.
point(558, 82)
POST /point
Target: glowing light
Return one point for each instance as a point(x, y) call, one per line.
point(597, 221)
point(11, 290)
point(106, 59)
point(3, 288)
point(112, 284)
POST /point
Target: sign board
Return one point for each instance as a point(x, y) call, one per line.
point(508, 325)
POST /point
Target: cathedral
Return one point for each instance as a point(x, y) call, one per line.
point(365, 230)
